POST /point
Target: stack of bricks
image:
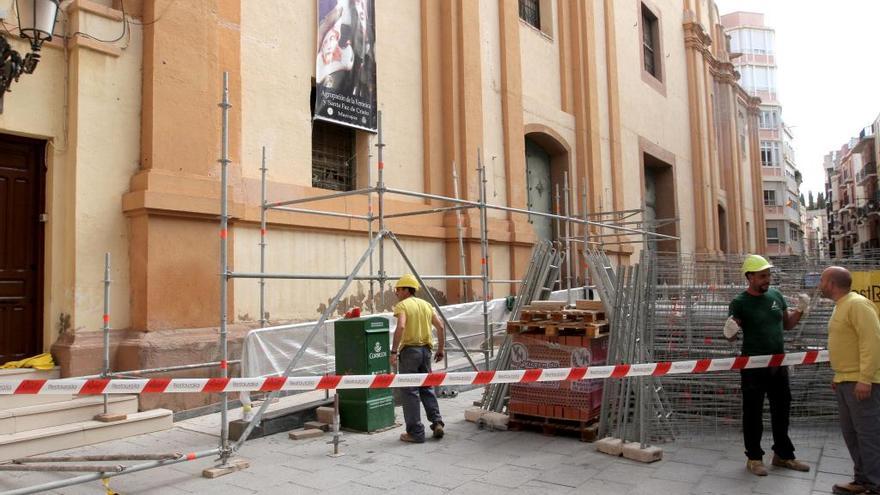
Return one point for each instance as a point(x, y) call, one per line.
point(556, 337)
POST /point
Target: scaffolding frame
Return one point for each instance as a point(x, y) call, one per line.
point(225, 450)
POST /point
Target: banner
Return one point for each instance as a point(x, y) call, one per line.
point(345, 63)
point(868, 285)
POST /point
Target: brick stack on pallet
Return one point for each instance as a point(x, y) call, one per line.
point(548, 335)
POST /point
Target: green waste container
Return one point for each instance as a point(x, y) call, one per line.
point(362, 346)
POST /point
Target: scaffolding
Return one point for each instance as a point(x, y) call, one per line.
point(594, 229)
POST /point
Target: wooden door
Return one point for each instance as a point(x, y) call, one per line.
point(22, 186)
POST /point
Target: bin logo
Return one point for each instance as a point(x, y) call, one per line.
point(580, 357)
point(377, 352)
point(519, 353)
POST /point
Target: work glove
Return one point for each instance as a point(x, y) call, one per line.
point(803, 304)
point(731, 329)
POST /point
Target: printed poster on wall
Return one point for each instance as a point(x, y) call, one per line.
point(345, 63)
point(868, 285)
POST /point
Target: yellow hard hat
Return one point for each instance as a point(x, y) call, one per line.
point(755, 263)
point(407, 280)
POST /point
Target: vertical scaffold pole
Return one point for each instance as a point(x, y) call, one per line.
point(370, 227)
point(106, 325)
point(465, 286)
point(566, 205)
point(586, 240)
point(224, 269)
point(484, 260)
point(380, 188)
point(263, 319)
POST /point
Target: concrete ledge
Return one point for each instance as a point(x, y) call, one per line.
point(634, 451)
point(610, 445)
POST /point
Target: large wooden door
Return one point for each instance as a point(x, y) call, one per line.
point(22, 186)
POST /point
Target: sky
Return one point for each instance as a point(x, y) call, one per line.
point(828, 78)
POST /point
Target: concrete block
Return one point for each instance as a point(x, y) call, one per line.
point(110, 417)
point(634, 451)
point(316, 425)
point(495, 420)
point(473, 414)
point(610, 445)
point(231, 467)
point(325, 414)
point(302, 434)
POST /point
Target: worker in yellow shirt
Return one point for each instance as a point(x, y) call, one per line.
point(854, 348)
point(412, 349)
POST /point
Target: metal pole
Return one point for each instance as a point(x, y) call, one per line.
point(567, 229)
point(370, 227)
point(559, 234)
point(586, 242)
point(224, 223)
point(52, 485)
point(106, 327)
point(263, 240)
point(380, 188)
point(484, 261)
point(465, 292)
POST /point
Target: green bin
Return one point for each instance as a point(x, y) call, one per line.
point(362, 346)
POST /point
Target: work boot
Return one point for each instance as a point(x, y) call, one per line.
point(437, 428)
point(851, 488)
point(792, 464)
point(406, 437)
point(756, 467)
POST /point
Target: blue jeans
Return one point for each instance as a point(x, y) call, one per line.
point(417, 360)
point(860, 426)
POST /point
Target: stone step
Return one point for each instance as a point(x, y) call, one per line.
point(55, 438)
point(16, 401)
point(75, 410)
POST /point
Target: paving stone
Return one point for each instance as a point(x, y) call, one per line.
point(776, 485)
point(727, 468)
point(722, 486)
point(541, 488)
point(412, 487)
point(567, 476)
point(658, 486)
point(390, 477)
point(448, 476)
point(354, 488)
point(539, 460)
point(626, 471)
point(509, 476)
point(836, 465)
point(604, 487)
point(678, 471)
point(824, 481)
point(700, 457)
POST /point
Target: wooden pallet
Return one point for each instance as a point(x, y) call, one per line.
point(552, 328)
point(587, 431)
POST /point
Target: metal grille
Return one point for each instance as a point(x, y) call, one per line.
point(530, 11)
point(333, 157)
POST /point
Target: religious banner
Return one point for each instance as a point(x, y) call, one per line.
point(345, 63)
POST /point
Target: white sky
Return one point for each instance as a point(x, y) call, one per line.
point(827, 72)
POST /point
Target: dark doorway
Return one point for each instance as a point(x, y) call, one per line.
point(22, 202)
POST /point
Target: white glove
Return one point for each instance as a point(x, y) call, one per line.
point(803, 304)
point(731, 329)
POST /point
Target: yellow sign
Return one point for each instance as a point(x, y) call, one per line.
point(868, 285)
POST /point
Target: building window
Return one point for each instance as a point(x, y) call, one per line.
point(530, 11)
point(651, 43)
point(772, 235)
point(769, 119)
point(769, 198)
point(333, 157)
point(770, 153)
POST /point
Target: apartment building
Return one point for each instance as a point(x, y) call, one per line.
point(852, 195)
point(753, 46)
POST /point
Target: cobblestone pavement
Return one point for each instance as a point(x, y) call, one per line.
point(467, 461)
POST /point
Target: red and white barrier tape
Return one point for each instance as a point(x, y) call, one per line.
point(267, 384)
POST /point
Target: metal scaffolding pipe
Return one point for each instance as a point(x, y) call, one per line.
point(224, 267)
point(304, 276)
point(428, 212)
point(322, 197)
point(323, 213)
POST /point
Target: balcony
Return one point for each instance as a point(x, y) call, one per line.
point(868, 171)
point(774, 212)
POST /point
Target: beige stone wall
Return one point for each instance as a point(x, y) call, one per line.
point(493, 138)
point(86, 103)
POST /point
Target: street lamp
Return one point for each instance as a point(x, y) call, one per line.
point(36, 21)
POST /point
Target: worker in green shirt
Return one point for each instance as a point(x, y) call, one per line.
point(854, 349)
point(761, 313)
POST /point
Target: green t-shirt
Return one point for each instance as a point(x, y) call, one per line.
point(761, 320)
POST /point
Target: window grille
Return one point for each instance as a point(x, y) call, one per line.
point(333, 158)
point(530, 11)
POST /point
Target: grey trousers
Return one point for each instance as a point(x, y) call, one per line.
point(860, 424)
point(417, 360)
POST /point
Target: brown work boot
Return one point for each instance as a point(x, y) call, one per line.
point(438, 430)
point(792, 464)
point(756, 467)
point(851, 488)
point(406, 437)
